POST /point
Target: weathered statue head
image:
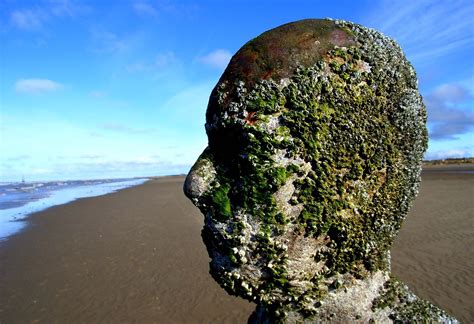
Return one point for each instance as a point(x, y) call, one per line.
point(316, 136)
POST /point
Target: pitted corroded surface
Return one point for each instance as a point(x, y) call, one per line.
point(316, 136)
point(277, 53)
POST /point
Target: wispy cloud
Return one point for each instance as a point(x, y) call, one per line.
point(430, 28)
point(36, 86)
point(97, 93)
point(132, 163)
point(95, 134)
point(63, 8)
point(28, 19)
point(126, 129)
point(145, 9)
point(161, 62)
point(18, 158)
point(34, 18)
point(131, 166)
point(40, 171)
point(91, 156)
point(451, 93)
point(449, 154)
point(187, 108)
point(108, 42)
point(447, 116)
point(155, 8)
point(216, 59)
point(166, 59)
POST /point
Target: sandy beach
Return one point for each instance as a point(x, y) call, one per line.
point(434, 251)
point(136, 256)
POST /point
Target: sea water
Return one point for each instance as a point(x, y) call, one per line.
point(18, 200)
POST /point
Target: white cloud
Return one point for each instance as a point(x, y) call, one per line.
point(449, 154)
point(217, 59)
point(97, 94)
point(451, 92)
point(34, 18)
point(40, 171)
point(145, 9)
point(447, 114)
point(187, 108)
point(138, 165)
point(126, 129)
point(91, 156)
point(431, 28)
point(137, 67)
point(107, 42)
point(28, 19)
point(19, 158)
point(163, 62)
point(36, 86)
point(63, 8)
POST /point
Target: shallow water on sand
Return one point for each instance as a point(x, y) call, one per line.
point(18, 200)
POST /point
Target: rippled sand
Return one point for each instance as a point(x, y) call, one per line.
point(434, 251)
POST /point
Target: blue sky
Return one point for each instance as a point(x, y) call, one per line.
point(100, 89)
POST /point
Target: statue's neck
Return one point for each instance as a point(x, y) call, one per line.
point(353, 303)
point(346, 305)
point(378, 298)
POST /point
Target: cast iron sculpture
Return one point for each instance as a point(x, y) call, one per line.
point(316, 137)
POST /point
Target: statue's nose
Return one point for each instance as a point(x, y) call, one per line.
point(190, 189)
point(200, 177)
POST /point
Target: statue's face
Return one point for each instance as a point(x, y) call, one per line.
point(306, 179)
point(244, 183)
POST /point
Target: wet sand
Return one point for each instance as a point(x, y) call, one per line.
point(137, 256)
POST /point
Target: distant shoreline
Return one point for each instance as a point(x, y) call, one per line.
point(450, 167)
point(451, 161)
